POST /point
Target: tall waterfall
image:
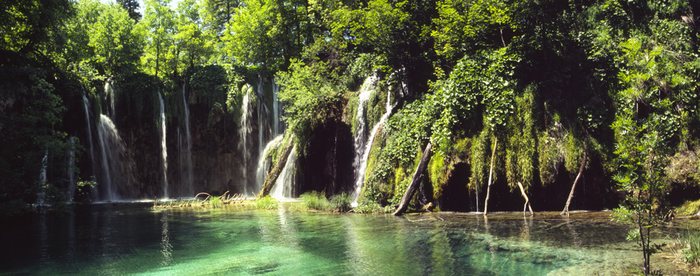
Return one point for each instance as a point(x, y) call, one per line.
point(243, 132)
point(163, 146)
point(261, 108)
point(367, 148)
point(275, 110)
point(41, 191)
point(189, 175)
point(88, 128)
point(70, 169)
point(366, 91)
point(283, 186)
point(112, 149)
point(109, 94)
point(264, 162)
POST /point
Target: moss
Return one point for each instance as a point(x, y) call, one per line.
point(688, 208)
point(403, 177)
point(350, 111)
point(438, 172)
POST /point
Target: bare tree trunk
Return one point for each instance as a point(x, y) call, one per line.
point(527, 205)
point(417, 177)
point(275, 172)
point(573, 186)
point(488, 187)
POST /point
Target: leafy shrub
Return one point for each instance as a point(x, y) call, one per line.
point(316, 201)
point(691, 254)
point(267, 203)
point(341, 202)
point(371, 207)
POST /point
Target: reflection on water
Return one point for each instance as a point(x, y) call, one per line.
point(131, 239)
point(166, 247)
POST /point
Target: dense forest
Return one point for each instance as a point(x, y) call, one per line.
point(587, 103)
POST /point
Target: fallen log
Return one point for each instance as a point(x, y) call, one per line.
point(417, 177)
point(276, 170)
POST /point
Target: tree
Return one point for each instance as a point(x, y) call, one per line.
point(132, 7)
point(114, 40)
point(645, 126)
point(195, 45)
point(27, 26)
point(157, 26)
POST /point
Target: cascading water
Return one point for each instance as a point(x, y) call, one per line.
point(88, 128)
point(367, 148)
point(243, 132)
point(264, 162)
point(365, 93)
point(109, 93)
point(366, 90)
point(112, 148)
point(283, 186)
point(70, 169)
point(260, 107)
point(275, 110)
point(163, 146)
point(41, 192)
point(188, 169)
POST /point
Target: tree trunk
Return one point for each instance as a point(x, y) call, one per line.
point(527, 200)
point(275, 172)
point(417, 176)
point(573, 186)
point(488, 187)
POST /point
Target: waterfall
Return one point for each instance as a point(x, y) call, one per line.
point(163, 146)
point(41, 192)
point(264, 162)
point(70, 169)
point(365, 92)
point(285, 182)
point(243, 132)
point(88, 128)
point(109, 94)
point(260, 108)
point(367, 148)
point(112, 148)
point(361, 133)
point(188, 146)
point(275, 110)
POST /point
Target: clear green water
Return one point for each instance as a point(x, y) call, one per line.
point(132, 239)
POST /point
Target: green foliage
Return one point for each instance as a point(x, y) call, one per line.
point(309, 98)
point(521, 147)
point(30, 25)
point(465, 26)
point(158, 28)
point(266, 203)
point(689, 208)
point(115, 41)
point(341, 202)
point(691, 253)
point(30, 115)
point(371, 207)
point(315, 201)
point(438, 172)
point(684, 168)
point(479, 160)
